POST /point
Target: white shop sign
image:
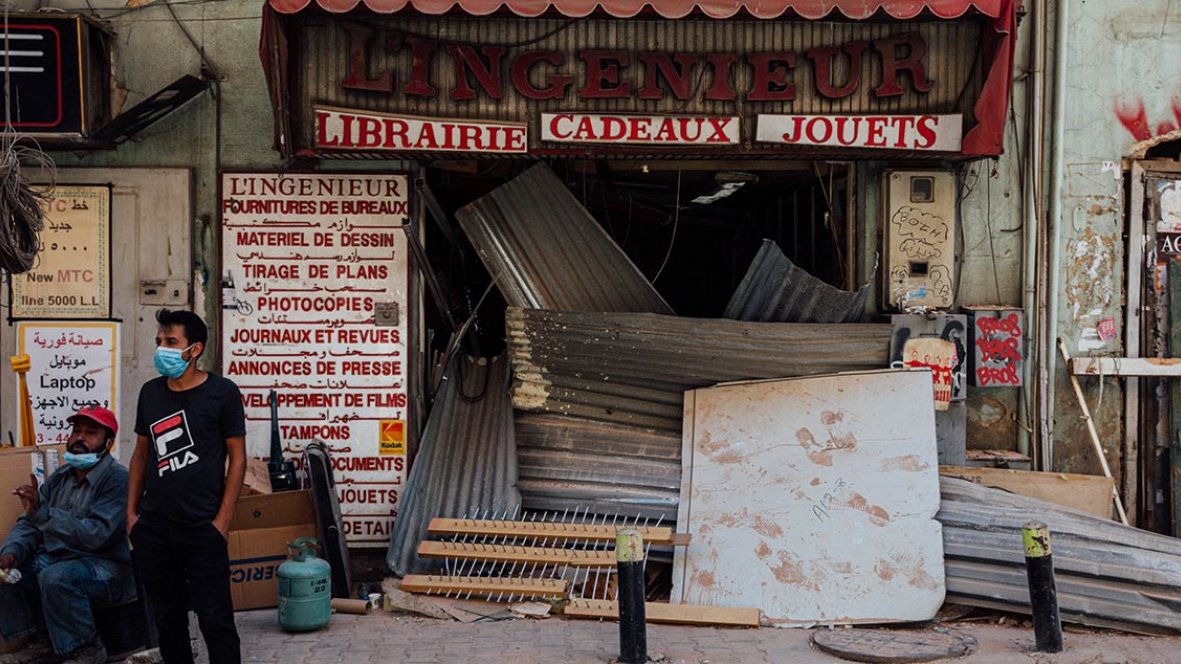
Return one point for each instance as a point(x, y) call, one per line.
point(308, 260)
point(640, 129)
point(940, 133)
point(72, 365)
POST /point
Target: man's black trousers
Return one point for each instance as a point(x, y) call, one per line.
point(182, 566)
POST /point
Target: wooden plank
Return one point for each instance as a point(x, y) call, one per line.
point(661, 612)
point(483, 586)
point(539, 530)
point(1089, 493)
point(517, 554)
point(1156, 367)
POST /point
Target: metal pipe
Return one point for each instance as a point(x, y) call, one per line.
point(1058, 124)
point(1026, 406)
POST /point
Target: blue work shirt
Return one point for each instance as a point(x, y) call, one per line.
point(83, 519)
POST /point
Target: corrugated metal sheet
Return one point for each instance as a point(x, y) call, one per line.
point(1108, 575)
point(467, 458)
point(634, 368)
point(776, 289)
point(573, 463)
point(607, 395)
point(320, 61)
point(546, 251)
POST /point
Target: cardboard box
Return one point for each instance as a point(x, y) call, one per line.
point(1089, 493)
point(263, 526)
point(15, 466)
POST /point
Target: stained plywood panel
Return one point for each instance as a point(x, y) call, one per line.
point(813, 499)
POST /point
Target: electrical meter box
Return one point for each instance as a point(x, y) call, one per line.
point(920, 228)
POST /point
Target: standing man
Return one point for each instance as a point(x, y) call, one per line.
point(70, 547)
point(181, 495)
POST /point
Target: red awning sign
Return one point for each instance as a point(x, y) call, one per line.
point(763, 9)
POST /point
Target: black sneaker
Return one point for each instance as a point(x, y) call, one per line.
point(91, 653)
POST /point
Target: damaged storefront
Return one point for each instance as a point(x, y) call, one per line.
point(621, 205)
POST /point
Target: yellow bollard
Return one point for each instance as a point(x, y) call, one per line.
point(21, 365)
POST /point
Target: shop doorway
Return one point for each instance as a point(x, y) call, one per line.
point(691, 227)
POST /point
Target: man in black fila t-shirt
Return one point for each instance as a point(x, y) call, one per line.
point(181, 496)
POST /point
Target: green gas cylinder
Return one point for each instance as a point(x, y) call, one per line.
point(305, 589)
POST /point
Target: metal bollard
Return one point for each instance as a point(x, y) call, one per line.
point(1043, 597)
point(633, 634)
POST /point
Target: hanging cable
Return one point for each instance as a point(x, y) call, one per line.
point(676, 222)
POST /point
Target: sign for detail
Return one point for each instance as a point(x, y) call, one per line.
point(72, 274)
point(362, 130)
point(639, 129)
point(940, 133)
point(73, 365)
point(307, 262)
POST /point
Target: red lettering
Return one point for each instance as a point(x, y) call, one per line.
point(1008, 325)
point(772, 72)
point(395, 129)
point(822, 59)
point(358, 38)
point(370, 132)
point(791, 136)
point(722, 88)
point(603, 74)
point(422, 55)
point(554, 122)
point(719, 128)
point(815, 137)
point(853, 123)
point(470, 138)
point(926, 128)
point(678, 76)
point(556, 84)
point(322, 139)
point(486, 69)
point(910, 61)
point(874, 128)
point(986, 376)
point(903, 125)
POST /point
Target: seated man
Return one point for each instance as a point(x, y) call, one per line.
point(70, 547)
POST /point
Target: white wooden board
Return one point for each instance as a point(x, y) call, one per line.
point(813, 499)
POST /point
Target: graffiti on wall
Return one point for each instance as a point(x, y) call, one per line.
point(997, 342)
point(950, 328)
point(1133, 115)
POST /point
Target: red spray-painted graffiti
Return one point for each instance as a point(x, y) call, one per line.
point(1134, 117)
point(998, 358)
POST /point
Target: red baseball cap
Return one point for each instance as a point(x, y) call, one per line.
point(97, 414)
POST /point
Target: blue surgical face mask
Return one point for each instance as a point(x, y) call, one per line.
point(169, 362)
point(82, 461)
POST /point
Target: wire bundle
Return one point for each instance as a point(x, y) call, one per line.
point(21, 214)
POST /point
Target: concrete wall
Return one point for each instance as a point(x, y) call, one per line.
point(1121, 58)
point(152, 52)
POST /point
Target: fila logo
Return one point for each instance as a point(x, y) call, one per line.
point(173, 443)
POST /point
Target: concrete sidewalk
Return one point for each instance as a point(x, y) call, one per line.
point(403, 639)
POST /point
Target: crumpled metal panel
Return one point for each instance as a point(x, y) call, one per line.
point(1107, 574)
point(634, 368)
point(776, 289)
point(569, 463)
point(545, 251)
point(467, 459)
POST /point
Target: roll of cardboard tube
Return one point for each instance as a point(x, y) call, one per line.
point(357, 607)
